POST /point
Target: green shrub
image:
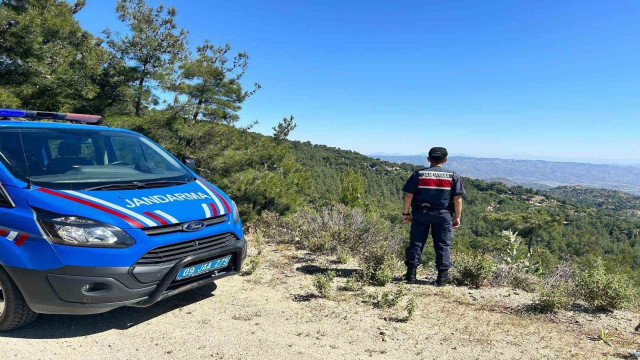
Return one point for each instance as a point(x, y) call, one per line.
point(335, 229)
point(254, 264)
point(603, 290)
point(255, 261)
point(320, 243)
point(390, 298)
point(324, 283)
point(411, 308)
point(516, 256)
point(343, 255)
point(353, 284)
point(377, 265)
point(554, 297)
point(505, 275)
point(352, 190)
point(472, 269)
point(526, 282)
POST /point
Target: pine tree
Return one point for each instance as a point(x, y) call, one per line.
point(211, 82)
point(154, 46)
point(352, 191)
point(47, 61)
point(284, 128)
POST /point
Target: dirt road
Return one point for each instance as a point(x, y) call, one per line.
point(273, 314)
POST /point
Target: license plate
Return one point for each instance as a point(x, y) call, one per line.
point(203, 268)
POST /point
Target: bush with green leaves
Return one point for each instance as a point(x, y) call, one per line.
point(505, 275)
point(323, 283)
point(554, 297)
point(601, 289)
point(353, 284)
point(472, 269)
point(378, 265)
point(516, 256)
point(256, 260)
point(390, 298)
point(343, 255)
point(352, 191)
point(411, 308)
point(335, 229)
point(254, 263)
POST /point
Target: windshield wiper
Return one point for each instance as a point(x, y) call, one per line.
point(162, 183)
point(134, 185)
point(138, 185)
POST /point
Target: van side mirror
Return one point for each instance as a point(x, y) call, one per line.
point(191, 164)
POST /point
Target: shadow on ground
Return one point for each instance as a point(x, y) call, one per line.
point(70, 326)
point(346, 273)
point(304, 297)
point(419, 281)
point(314, 269)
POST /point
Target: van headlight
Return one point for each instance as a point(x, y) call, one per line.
point(236, 213)
point(80, 231)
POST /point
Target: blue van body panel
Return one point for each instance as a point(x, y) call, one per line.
point(50, 274)
point(38, 253)
point(182, 203)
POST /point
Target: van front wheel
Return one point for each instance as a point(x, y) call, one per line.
point(14, 311)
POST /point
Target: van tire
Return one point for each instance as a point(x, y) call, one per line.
point(16, 312)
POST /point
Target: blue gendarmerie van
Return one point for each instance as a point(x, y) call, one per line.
point(93, 218)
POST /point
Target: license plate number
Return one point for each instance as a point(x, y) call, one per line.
point(200, 269)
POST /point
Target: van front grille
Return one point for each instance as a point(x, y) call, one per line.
point(168, 229)
point(171, 253)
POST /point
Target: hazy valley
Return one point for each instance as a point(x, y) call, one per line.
point(538, 174)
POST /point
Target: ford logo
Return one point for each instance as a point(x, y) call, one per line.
point(193, 226)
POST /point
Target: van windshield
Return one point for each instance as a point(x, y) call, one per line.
point(74, 159)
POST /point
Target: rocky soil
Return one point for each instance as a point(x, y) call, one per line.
point(275, 313)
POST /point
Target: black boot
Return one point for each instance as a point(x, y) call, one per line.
point(443, 278)
point(410, 277)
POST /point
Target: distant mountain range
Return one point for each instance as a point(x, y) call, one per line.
point(537, 174)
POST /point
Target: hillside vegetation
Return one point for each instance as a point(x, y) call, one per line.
point(612, 201)
point(558, 228)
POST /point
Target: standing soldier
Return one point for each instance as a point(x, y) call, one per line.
point(434, 195)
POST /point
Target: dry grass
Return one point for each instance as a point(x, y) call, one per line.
point(490, 318)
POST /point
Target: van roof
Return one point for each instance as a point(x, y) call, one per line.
point(55, 125)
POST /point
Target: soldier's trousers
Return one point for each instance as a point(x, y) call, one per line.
point(439, 222)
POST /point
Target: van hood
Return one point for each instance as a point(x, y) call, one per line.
point(137, 208)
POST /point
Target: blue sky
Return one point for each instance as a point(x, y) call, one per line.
point(556, 80)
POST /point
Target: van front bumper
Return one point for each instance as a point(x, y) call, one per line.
point(79, 290)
